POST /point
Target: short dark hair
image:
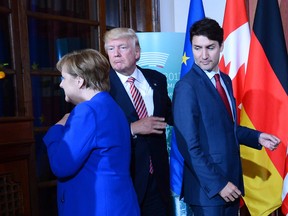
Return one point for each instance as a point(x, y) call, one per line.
point(209, 28)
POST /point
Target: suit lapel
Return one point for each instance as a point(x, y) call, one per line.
point(120, 95)
point(212, 89)
point(206, 82)
point(154, 84)
point(228, 85)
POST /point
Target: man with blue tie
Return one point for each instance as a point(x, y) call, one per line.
point(206, 129)
point(142, 94)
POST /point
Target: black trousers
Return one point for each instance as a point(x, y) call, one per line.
point(153, 204)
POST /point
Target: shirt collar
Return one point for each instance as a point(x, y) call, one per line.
point(137, 74)
point(211, 74)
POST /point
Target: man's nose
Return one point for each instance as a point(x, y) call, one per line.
point(117, 52)
point(204, 54)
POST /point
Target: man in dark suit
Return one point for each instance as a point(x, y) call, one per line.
point(149, 164)
point(206, 130)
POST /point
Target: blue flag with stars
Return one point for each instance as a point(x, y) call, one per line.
point(196, 12)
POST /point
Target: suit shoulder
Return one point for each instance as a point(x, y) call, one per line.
point(190, 77)
point(112, 73)
point(151, 72)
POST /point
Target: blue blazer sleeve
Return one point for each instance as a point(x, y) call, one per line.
point(70, 145)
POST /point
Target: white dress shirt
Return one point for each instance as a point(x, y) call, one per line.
point(142, 85)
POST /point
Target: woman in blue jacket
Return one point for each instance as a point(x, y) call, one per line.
point(89, 149)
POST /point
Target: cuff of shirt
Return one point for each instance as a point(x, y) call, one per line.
point(134, 136)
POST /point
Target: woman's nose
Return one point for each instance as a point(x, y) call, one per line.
point(60, 85)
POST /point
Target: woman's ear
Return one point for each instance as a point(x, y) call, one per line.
point(80, 81)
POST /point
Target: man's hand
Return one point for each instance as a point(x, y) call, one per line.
point(269, 141)
point(230, 192)
point(149, 125)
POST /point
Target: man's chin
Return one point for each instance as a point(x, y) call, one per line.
point(205, 68)
point(118, 69)
point(117, 66)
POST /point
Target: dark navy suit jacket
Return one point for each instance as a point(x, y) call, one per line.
point(145, 145)
point(207, 138)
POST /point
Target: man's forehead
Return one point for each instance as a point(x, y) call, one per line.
point(119, 41)
point(204, 43)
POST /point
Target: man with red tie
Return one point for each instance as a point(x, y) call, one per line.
point(206, 129)
point(142, 94)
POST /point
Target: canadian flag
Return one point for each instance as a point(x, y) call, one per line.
point(236, 46)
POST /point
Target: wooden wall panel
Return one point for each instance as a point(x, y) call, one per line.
point(18, 184)
point(14, 194)
point(15, 130)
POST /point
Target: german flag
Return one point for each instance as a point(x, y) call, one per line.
point(265, 108)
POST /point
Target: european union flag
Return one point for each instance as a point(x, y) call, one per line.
point(196, 12)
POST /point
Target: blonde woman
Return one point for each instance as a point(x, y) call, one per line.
point(89, 149)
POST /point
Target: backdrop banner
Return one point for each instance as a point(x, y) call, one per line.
point(162, 51)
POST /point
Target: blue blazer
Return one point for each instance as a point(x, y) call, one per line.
point(90, 156)
point(207, 138)
point(144, 146)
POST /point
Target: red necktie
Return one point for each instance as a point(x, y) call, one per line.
point(222, 94)
point(139, 106)
point(137, 99)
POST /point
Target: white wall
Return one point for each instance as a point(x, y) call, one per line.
point(174, 13)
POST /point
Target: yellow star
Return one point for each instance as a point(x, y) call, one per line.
point(185, 58)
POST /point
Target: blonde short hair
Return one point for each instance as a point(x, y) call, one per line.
point(118, 33)
point(90, 65)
